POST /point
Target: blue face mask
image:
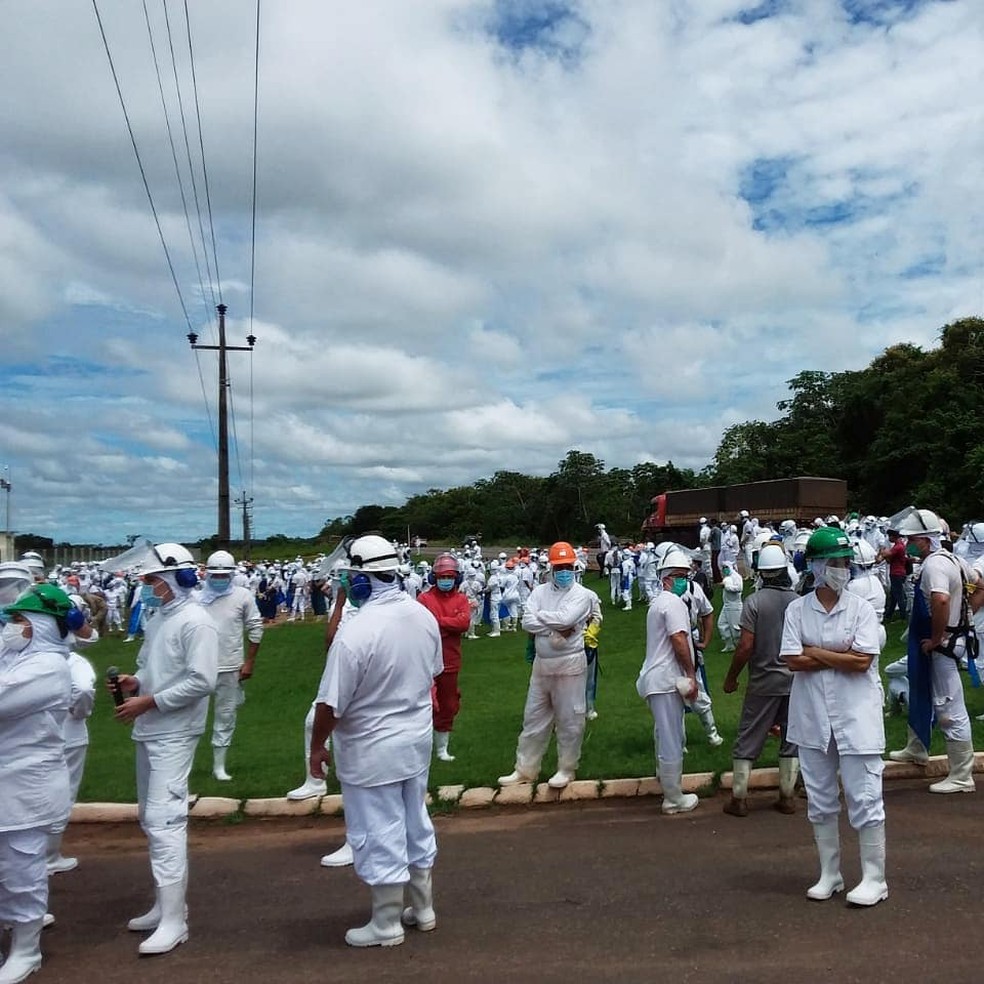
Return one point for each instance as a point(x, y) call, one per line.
point(219, 583)
point(149, 599)
point(445, 583)
point(563, 579)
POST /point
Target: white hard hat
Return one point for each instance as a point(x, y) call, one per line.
point(675, 558)
point(744, 514)
point(864, 554)
point(976, 532)
point(920, 522)
point(167, 557)
point(599, 526)
point(220, 562)
point(371, 553)
point(772, 558)
point(703, 519)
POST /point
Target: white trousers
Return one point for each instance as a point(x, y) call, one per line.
point(229, 696)
point(163, 766)
point(23, 875)
point(389, 830)
point(948, 699)
point(728, 624)
point(615, 582)
point(113, 618)
point(552, 701)
point(75, 757)
point(300, 605)
point(308, 735)
point(861, 776)
point(667, 711)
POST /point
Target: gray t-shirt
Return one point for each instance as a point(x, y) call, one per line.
point(763, 614)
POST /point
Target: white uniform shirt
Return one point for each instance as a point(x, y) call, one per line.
point(828, 702)
point(667, 615)
point(35, 690)
point(551, 610)
point(177, 664)
point(943, 573)
point(871, 589)
point(82, 699)
point(233, 612)
point(377, 679)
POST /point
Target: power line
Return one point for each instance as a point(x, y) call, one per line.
point(201, 142)
point(252, 248)
point(143, 173)
point(191, 166)
point(174, 158)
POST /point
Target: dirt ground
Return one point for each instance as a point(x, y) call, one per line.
point(602, 891)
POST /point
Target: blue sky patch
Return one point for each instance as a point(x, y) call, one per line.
point(761, 11)
point(883, 13)
point(556, 29)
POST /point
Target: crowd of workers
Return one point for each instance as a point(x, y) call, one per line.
point(808, 635)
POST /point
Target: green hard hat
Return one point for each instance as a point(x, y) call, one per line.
point(45, 599)
point(828, 541)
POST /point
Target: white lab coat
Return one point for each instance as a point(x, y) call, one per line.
point(377, 678)
point(825, 703)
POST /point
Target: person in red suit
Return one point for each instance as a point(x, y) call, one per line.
point(450, 607)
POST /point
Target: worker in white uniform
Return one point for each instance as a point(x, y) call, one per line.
point(556, 614)
point(668, 676)
point(701, 628)
point(35, 690)
point(234, 612)
point(729, 618)
point(938, 623)
point(830, 642)
point(866, 583)
point(766, 702)
point(375, 700)
point(177, 667)
point(80, 706)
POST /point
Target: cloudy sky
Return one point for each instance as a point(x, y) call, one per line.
point(486, 232)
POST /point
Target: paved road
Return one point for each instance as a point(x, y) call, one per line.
point(601, 891)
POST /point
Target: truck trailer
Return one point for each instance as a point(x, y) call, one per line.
point(676, 515)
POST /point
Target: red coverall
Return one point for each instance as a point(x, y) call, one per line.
point(450, 608)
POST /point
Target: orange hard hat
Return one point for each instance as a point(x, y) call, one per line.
point(561, 553)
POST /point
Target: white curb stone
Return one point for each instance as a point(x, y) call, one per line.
point(520, 794)
point(479, 796)
point(280, 807)
point(649, 786)
point(212, 807)
point(580, 789)
point(332, 806)
point(619, 787)
point(450, 794)
point(104, 813)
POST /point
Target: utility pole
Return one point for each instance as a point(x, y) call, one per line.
point(222, 348)
point(245, 501)
point(6, 487)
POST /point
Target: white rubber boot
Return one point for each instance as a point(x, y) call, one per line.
point(788, 771)
point(338, 859)
point(149, 920)
point(441, 739)
point(517, 775)
point(56, 862)
point(914, 751)
point(737, 806)
point(309, 789)
point(961, 778)
point(172, 930)
point(218, 764)
point(710, 728)
point(385, 927)
point(827, 837)
point(561, 779)
point(873, 888)
point(674, 799)
point(24, 957)
point(420, 911)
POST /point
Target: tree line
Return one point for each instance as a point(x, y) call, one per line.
point(907, 428)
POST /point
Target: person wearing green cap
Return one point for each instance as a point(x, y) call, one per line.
point(830, 641)
point(35, 691)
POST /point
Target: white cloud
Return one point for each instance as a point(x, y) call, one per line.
point(468, 258)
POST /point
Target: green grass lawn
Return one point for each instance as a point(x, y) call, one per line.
point(266, 755)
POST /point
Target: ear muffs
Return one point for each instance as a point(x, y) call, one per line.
point(186, 577)
point(432, 579)
point(359, 587)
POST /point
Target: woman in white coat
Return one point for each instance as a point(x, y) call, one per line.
point(830, 641)
point(730, 617)
point(35, 690)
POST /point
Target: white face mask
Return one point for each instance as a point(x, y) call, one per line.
point(13, 636)
point(836, 578)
